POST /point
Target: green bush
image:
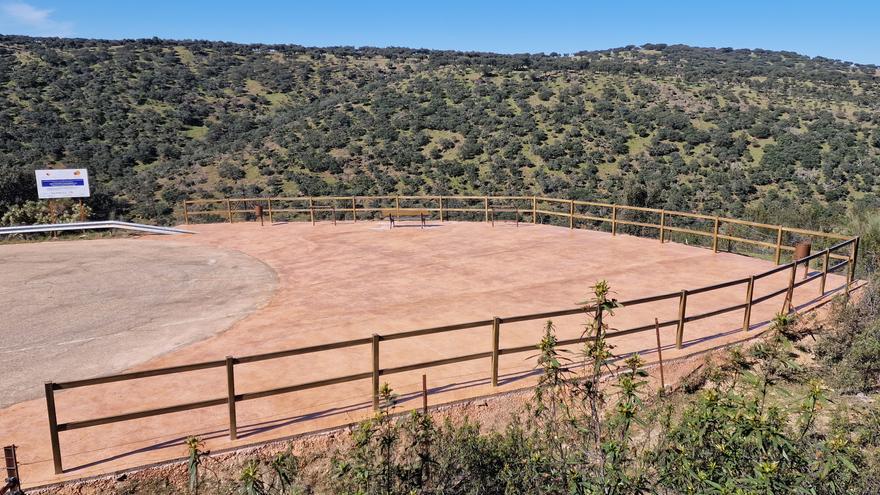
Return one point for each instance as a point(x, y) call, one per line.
point(40, 212)
point(850, 348)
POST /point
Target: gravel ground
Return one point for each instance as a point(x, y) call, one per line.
point(78, 309)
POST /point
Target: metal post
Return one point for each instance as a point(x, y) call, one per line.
point(376, 339)
point(496, 338)
point(778, 244)
point(53, 427)
point(789, 294)
point(682, 308)
point(662, 226)
point(614, 220)
point(659, 353)
point(185, 214)
point(715, 236)
point(571, 214)
point(750, 296)
point(825, 259)
point(230, 394)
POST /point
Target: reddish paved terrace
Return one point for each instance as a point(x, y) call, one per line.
point(355, 279)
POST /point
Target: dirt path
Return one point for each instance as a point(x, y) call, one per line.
point(78, 309)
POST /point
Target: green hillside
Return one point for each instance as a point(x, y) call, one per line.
point(748, 133)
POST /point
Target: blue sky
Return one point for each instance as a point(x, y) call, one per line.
point(847, 30)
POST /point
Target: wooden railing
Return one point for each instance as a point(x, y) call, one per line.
point(375, 370)
point(659, 223)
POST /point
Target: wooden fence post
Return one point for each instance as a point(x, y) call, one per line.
point(228, 211)
point(376, 339)
point(715, 236)
point(440, 202)
point(486, 207)
point(354, 211)
point(496, 338)
point(230, 397)
point(659, 353)
point(185, 214)
point(750, 296)
point(312, 210)
point(789, 294)
point(851, 267)
point(778, 244)
point(571, 214)
point(825, 259)
point(53, 427)
point(662, 226)
point(534, 209)
point(425, 394)
point(849, 275)
point(855, 254)
point(682, 308)
point(614, 220)
point(270, 212)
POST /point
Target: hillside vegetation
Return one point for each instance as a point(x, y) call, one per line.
point(750, 133)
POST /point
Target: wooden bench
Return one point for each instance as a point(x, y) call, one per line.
point(314, 208)
point(504, 209)
point(394, 215)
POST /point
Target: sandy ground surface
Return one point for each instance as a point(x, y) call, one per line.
point(77, 309)
point(354, 279)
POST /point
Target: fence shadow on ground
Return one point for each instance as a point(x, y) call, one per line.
point(253, 429)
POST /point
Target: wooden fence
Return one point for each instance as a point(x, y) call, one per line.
point(659, 223)
point(375, 371)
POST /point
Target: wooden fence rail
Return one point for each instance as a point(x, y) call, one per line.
point(375, 371)
point(362, 207)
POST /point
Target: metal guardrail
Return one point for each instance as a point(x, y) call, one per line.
point(107, 224)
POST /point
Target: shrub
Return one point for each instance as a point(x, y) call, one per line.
point(40, 212)
point(850, 349)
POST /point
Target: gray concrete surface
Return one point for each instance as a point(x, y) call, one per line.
point(79, 309)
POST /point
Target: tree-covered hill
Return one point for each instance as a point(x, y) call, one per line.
point(742, 132)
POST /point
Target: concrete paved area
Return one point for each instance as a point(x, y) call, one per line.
point(355, 279)
point(78, 309)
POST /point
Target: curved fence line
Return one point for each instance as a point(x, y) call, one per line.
point(489, 209)
point(609, 216)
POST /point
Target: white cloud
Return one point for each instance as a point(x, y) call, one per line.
point(20, 15)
